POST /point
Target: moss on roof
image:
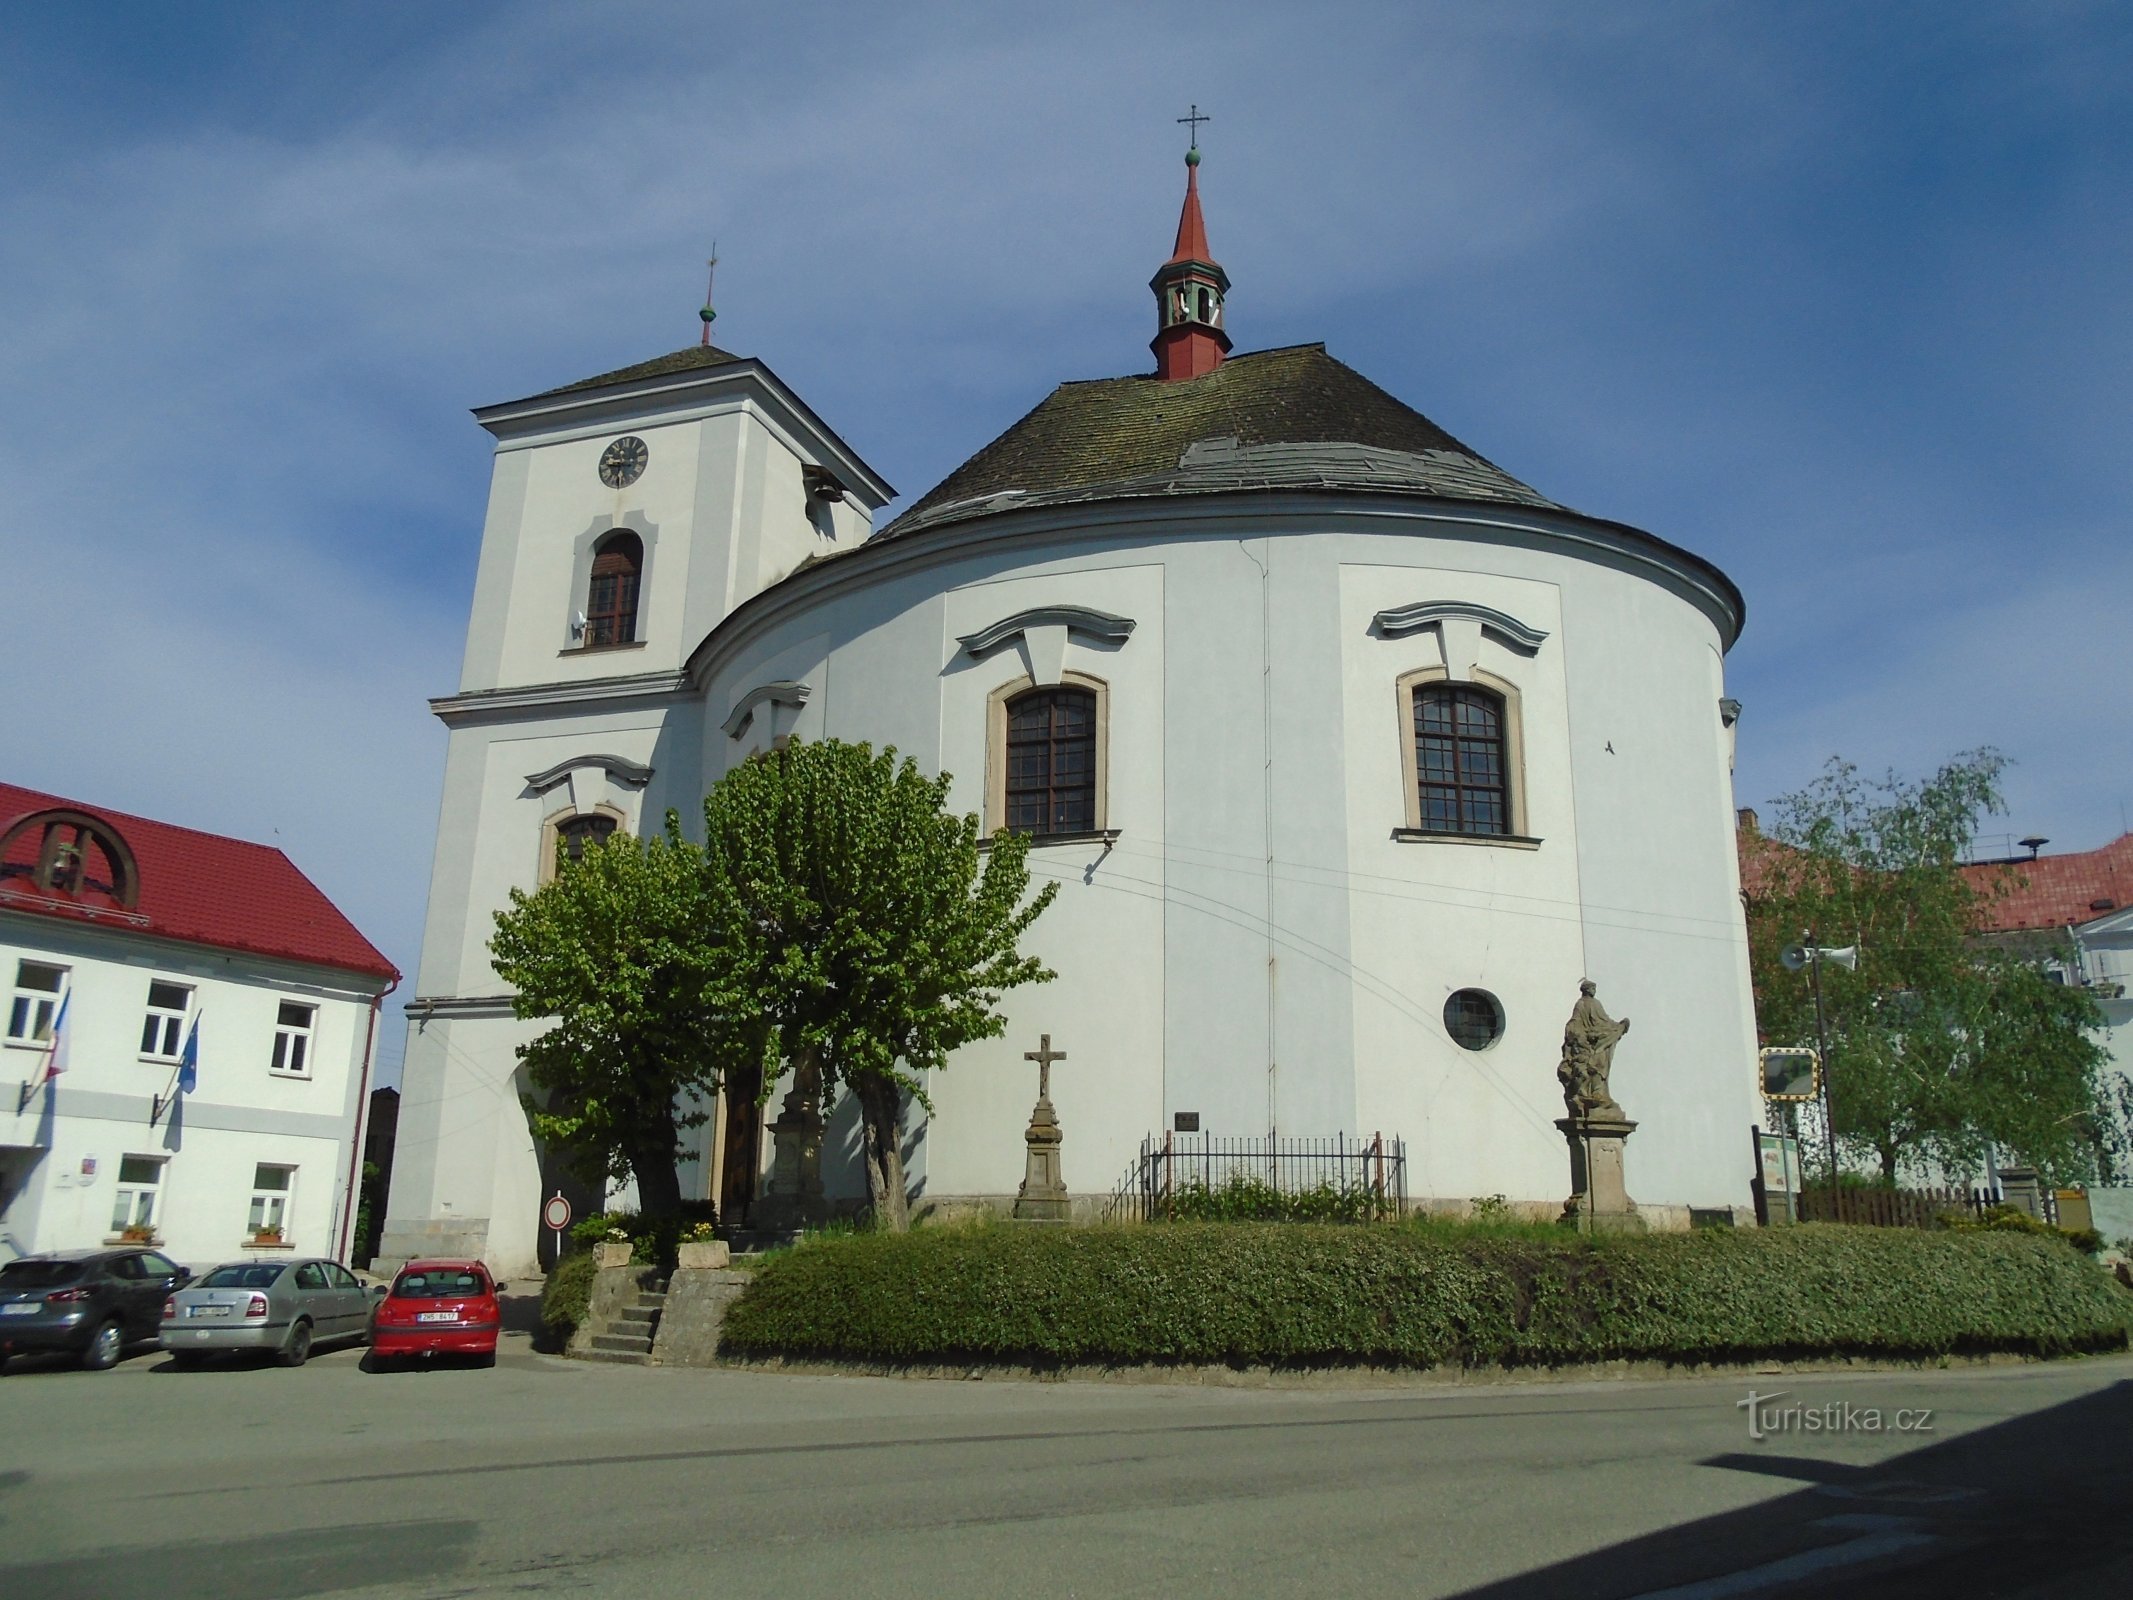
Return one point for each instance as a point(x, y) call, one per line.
point(689, 360)
point(1131, 435)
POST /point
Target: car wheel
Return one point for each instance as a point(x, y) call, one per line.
point(105, 1346)
point(298, 1349)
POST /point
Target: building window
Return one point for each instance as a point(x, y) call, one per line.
point(611, 597)
point(140, 1181)
point(292, 1038)
point(35, 1003)
point(1459, 749)
point(163, 1031)
point(1459, 760)
point(1473, 1018)
point(1051, 761)
point(573, 834)
point(271, 1188)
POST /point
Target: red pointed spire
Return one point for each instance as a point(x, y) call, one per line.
point(1189, 287)
point(1192, 228)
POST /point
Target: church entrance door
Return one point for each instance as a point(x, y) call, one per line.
point(742, 1156)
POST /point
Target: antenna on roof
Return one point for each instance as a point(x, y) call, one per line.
point(710, 282)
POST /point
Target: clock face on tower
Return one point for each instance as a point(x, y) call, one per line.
point(622, 462)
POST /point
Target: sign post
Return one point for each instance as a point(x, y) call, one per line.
point(556, 1213)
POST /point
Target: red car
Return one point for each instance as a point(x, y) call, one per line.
point(438, 1307)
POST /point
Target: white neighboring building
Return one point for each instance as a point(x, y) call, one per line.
point(1351, 753)
point(143, 931)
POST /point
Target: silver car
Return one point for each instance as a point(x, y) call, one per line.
point(283, 1307)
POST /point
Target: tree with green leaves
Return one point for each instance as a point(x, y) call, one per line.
point(1945, 1046)
point(612, 954)
point(868, 930)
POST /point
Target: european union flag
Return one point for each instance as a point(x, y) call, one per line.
point(189, 1060)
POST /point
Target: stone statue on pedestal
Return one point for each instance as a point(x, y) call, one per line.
point(1596, 1129)
point(1589, 1041)
point(792, 1198)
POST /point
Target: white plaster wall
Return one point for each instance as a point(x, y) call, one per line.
point(239, 1115)
point(1257, 947)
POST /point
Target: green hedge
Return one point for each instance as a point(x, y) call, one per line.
point(1290, 1295)
point(566, 1298)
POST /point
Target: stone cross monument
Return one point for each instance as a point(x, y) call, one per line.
point(793, 1199)
point(1043, 1196)
point(1596, 1128)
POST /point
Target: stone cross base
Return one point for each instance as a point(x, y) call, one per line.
point(1043, 1195)
point(1599, 1201)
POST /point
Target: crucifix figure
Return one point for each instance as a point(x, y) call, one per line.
point(1044, 1055)
point(1193, 121)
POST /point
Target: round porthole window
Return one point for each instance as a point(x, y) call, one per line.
point(1473, 1018)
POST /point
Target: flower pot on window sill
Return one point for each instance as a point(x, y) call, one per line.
point(135, 1236)
point(268, 1241)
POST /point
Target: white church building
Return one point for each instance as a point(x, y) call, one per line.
point(1352, 755)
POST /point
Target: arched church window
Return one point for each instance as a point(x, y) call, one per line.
point(573, 834)
point(611, 597)
point(1460, 767)
point(1051, 761)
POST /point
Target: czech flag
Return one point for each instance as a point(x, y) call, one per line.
point(56, 1062)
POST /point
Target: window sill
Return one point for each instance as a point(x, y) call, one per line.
point(119, 1241)
point(598, 649)
point(1106, 837)
point(300, 1077)
point(41, 1046)
point(159, 1061)
point(268, 1244)
point(1512, 841)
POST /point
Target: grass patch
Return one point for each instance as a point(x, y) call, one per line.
point(1427, 1295)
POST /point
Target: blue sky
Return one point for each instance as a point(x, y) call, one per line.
point(1834, 295)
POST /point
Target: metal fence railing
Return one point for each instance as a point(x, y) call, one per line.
point(1197, 1175)
point(1911, 1208)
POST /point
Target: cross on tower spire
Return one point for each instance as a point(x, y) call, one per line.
point(710, 282)
point(1193, 120)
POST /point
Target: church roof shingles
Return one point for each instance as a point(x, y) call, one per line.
point(694, 358)
point(1292, 417)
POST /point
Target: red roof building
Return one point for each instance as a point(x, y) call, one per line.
point(59, 858)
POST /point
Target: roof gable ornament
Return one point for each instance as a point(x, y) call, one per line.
point(1189, 287)
point(1077, 619)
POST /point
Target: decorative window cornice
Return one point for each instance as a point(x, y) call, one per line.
point(615, 767)
point(1076, 619)
point(785, 692)
point(1397, 621)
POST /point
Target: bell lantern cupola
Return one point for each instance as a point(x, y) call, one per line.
point(1189, 287)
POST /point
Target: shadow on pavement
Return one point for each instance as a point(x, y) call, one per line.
point(2035, 1505)
point(274, 1566)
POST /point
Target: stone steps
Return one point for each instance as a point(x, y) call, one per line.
point(628, 1335)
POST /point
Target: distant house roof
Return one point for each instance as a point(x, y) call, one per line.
point(1287, 418)
point(2050, 892)
point(694, 358)
point(197, 888)
point(2061, 891)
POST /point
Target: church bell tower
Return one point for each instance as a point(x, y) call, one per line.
point(1189, 287)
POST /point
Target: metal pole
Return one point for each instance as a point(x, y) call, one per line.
point(1829, 1099)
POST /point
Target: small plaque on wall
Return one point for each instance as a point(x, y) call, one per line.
point(1185, 1122)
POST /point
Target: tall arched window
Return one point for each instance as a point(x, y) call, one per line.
point(611, 597)
point(1051, 761)
point(1460, 770)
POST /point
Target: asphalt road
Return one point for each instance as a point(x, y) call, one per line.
point(545, 1477)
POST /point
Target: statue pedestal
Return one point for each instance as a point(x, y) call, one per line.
point(792, 1198)
point(1599, 1201)
point(1043, 1195)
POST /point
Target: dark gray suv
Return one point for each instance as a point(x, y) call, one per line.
point(91, 1302)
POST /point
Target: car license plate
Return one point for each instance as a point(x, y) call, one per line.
point(20, 1308)
point(436, 1316)
point(207, 1311)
